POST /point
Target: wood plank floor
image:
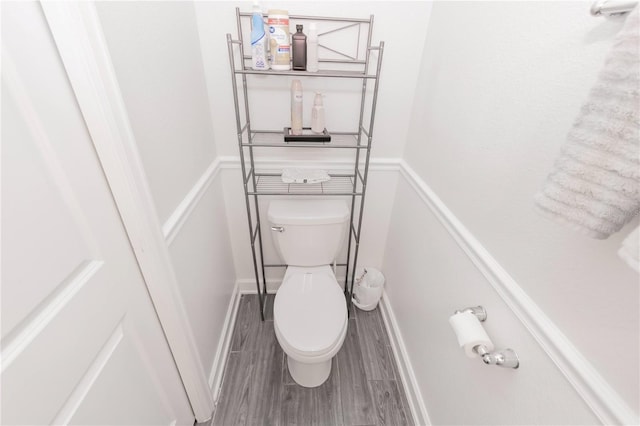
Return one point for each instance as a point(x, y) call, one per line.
point(364, 387)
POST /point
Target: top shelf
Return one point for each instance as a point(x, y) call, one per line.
point(368, 20)
point(321, 73)
point(345, 48)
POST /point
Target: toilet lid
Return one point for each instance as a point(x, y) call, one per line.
point(310, 311)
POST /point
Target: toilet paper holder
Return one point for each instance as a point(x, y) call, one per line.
point(507, 358)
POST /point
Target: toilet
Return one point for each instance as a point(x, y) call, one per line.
point(309, 312)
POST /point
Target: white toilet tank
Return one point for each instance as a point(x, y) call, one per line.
point(308, 232)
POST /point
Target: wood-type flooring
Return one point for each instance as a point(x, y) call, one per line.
point(364, 387)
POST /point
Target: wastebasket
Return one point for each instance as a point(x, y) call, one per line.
point(367, 288)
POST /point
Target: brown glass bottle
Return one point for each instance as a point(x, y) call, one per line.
point(299, 49)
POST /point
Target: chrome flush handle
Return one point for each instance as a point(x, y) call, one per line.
point(277, 228)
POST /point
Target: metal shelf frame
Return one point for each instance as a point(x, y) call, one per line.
point(352, 184)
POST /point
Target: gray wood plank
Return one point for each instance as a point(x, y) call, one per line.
point(399, 382)
point(233, 405)
point(246, 329)
point(357, 407)
point(373, 343)
point(266, 387)
point(388, 404)
point(319, 406)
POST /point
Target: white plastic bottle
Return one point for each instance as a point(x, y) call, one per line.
point(317, 115)
point(279, 39)
point(312, 48)
point(296, 107)
point(258, 40)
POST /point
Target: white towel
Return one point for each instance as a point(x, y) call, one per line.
point(630, 250)
point(594, 186)
point(304, 176)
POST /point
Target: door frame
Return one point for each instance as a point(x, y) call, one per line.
point(78, 35)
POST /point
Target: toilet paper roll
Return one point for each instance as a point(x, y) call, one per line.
point(470, 333)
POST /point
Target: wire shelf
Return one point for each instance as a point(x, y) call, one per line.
point(275, 139)
point(271, 184)
point(322, 73)
point(344, 51)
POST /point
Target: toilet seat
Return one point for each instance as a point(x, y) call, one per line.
point(310, 314)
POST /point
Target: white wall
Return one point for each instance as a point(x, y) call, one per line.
point(499, 87)
point(428, 277)
point(156, 53)
point(401, 25)
point(155, 50)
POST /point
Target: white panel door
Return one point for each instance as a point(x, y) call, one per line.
point(80, 339)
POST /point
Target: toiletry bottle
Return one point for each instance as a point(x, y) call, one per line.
point(296, 107)
point(317, 115)
point(299, 49)
point(279, 42)
point(312, 48)
point(258, 40)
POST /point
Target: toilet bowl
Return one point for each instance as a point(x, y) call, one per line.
point(310, 321)
point(310, 312)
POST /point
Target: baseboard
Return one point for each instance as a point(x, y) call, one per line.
point(409, 381)
point(248, 285)
point(220, 360)
point(603, 400)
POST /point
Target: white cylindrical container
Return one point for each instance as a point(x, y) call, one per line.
point(312, 48)
point(279, 40)
point(258, 40)
point(317, 115)
point(296, 107)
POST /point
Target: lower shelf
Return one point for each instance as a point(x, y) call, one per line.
point(271, 184)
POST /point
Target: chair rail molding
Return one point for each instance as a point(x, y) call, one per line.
point(78, 35)
point(603, 400)
point(174, 223)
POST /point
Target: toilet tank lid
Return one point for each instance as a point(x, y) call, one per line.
point(308, 212)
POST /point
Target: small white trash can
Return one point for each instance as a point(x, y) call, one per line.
point(367, 289)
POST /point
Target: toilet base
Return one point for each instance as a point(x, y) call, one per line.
point(309, 375)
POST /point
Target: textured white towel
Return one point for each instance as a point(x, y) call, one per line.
point(630, 250)
point(594, 186)
point(304, 176)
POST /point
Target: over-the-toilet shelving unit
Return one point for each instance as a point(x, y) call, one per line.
point(362, 64)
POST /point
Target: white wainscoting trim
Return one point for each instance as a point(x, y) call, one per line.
point(409, 380)
point(603, 400)
point(224, 344)
point(172, 226)
point(248, 285)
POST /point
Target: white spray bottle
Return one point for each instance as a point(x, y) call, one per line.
point(258, 40)
point(317, 115)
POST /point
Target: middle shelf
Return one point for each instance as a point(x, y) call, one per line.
point(275, 139)
point(271, 184)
